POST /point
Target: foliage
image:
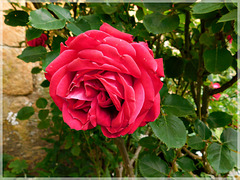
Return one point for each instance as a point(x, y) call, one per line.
point(195, 135)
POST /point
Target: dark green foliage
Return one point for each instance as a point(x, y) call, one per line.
point(194, 40)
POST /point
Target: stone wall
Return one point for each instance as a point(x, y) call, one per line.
point(20, 87)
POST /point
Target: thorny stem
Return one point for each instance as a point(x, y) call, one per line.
point(121, 146)
point(90, 152)
point(208, 169)
point(194, 156)
point(200, 73)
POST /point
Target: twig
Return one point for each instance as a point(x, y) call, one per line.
point(194, 156)
point(187, 34)
point(139, 148)
point(207, 167)
point(185, 89)
point(121, 146)
point(224, 86)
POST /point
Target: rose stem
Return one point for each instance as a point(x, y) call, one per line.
point(121, 146)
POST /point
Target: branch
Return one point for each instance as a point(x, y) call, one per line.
point(207, 167)
point(205, 102)
point(187, 34)
point(194, 156)
point(139, 148)
point(121, 146)
point(224, 86)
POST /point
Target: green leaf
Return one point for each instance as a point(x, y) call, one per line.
point(44, 124)
point(149, 142)
point(68, 140)
point(42, 19)
point(33, 54)
point(190, 71)
point(173, 67)
point(49, 58)
point(167, 153)
point(108, 9)
point(158, 7)
point(164, 91)
point(202, 8)
point(216, 27)
point(25, 113)
point(8, 174)
point(56, 42)
point(79, 27)
point(75, 150)
point(61, 13)
point(207, 40)
point(220, 158)
point(201, 129)
point(33, 33)
point(93, 20)
point(152, 166)
point(232, 15)
point(158, 23)
point(186, 164)
point(18, 166)
point(16, 18)
point(195, 142)
point(217, 60)
point(170, 130)
point(43, 114)
point(219, 119)
point(230, 6)
point(140, 14)
point(45, 83)
point(6, 159)
point(41, 103)
point(229, 137)
point(36, 70)
point(177, 105)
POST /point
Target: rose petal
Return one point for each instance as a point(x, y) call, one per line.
point(103, 116)
point(122, 46)
point(116, 33)
point(64, 58)
point(83, 64)
point(154, 112)
point(63, 86)
point(79, 93)
point(103, 100)
point(57, 77)
point(78, 115)
point(92, 113)
point(96, 34)
point(160, 70)
point(83, 41)
point(73, 123)
point(69, 40)
point(144, 58)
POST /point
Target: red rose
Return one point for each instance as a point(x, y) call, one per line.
point(230, 39)
point(216, 86)
point(38, 41)
point(104, 78)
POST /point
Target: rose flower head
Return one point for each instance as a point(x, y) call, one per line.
point(215, 86)
point(102, 77)
point(38, 41)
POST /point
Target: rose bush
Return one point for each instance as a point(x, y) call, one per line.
point(38, 41)
point(102, 77)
